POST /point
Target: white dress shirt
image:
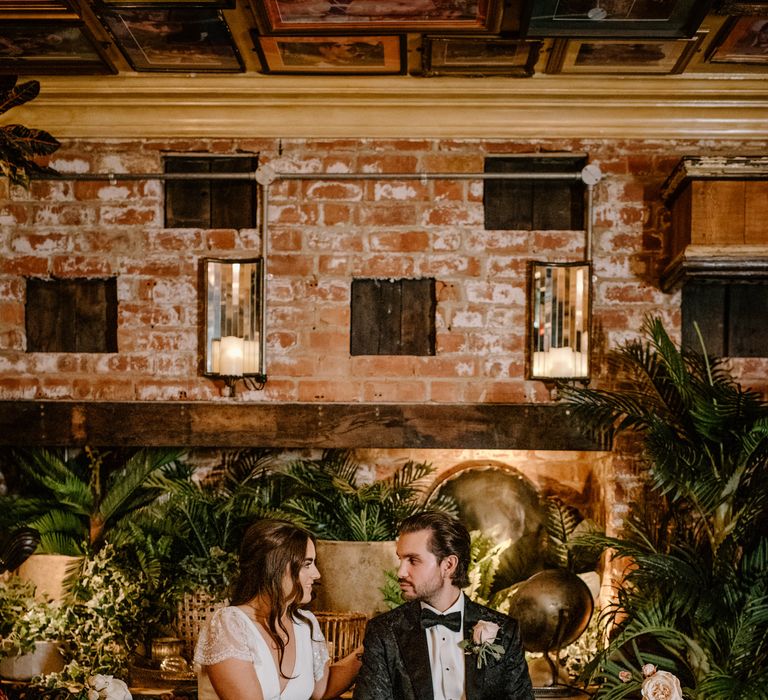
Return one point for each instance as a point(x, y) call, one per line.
point(446, 658)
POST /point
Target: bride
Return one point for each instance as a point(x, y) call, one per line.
point(263, 646)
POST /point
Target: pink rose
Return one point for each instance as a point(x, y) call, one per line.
point(484, 631)
point(648, 670)
point(625, 676)
point(662, 685)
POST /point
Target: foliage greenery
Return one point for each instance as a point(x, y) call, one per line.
point(564, 527)
point(24, 619)
point(694, 598)
point(190, 538)
point(97, 626)
point(19, 144)
point(75, 499)
point(105, 617)
point(327, 496)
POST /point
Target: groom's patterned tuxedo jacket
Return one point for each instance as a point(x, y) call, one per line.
point(396, 660)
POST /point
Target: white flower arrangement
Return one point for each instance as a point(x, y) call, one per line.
point(482, 643)
point(101, 687)
point(656, 685)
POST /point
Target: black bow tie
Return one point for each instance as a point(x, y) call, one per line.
point(429, 619)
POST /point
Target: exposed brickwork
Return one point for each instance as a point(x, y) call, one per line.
point(323, 233)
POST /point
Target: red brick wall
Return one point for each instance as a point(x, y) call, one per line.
point(322, 234)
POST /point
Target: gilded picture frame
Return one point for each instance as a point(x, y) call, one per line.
point(741, 40)
point(622, 56)
point(337, 16)
point(37, 9)
point(173, 39)
point(332, 55)
point(46, 47)
point(615, 19)
point(478, 56)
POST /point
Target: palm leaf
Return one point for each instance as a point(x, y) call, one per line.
point(60, 543)
point(125, 485)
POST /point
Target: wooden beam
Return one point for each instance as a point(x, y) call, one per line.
point(209, 424)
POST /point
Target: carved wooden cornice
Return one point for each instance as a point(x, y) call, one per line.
point(254, 106)
point(734, 264)
point(714, 168)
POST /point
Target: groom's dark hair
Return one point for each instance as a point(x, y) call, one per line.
point(447, 536)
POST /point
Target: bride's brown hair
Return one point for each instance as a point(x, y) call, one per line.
point(269, 549)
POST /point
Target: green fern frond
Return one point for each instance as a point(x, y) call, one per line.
point(60, 543)
point(125, 486)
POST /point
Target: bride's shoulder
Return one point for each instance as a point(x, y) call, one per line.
point(308, 619)
point(306, 615)
point(229, 615)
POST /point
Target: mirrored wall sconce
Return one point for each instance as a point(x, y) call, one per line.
point(559, 302)
point(234, 322)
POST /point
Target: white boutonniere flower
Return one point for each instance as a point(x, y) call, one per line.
point(482, 642)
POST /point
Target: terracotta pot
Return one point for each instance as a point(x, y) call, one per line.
point(46, 658)
point(352, 575)
point(48, 572)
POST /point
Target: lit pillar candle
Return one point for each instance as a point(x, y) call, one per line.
point(251, 355)
point(231, 356)
point(559, 362)
point(585, 355)
point(215, 355)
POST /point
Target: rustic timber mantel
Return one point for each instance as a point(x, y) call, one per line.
point(351, 425)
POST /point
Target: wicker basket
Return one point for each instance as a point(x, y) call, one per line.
point(192, 612)
point(342, 631)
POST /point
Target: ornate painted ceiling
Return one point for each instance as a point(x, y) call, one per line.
point(392, 67)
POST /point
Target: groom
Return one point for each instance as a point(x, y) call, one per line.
point(415, 652)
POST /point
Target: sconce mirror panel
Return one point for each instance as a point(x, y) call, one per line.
point(233, 318)
point(559, 314)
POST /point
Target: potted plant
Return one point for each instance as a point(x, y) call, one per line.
point(103, 623)
point(19, 144)
point(30, 630)
point(76, 500)
point(693, 601)
point(188, 541)
point(355, 522)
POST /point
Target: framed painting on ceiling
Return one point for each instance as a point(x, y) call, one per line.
point(223, 4)
point(332, 55)
point(50, 48)
point(742, 40)
point(615, 19)
point(37, 9)
point(300, 16)
point(174, 39)
point(478, 56)
point(622, 56)
point(737, 7)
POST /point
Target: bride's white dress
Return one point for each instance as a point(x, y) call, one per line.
point(231, 634)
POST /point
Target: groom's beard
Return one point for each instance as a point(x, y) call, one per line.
point(424, 591)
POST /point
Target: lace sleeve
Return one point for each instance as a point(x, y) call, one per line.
point(320, 655)
point(225, 636)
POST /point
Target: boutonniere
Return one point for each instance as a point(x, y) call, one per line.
point(482, 642)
